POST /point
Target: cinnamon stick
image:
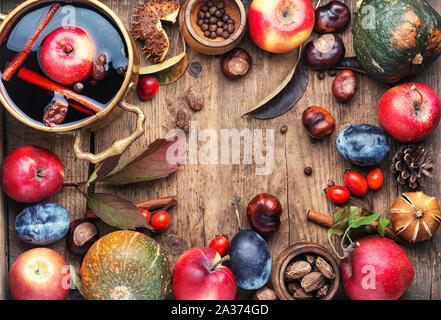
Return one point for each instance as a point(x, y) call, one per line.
point(150, 205)
point(20, 58)
point(42, 82)
point(327, 222)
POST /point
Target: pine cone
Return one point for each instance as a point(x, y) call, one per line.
point(411, 165)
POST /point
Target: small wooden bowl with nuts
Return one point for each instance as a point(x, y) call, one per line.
point(306, 271)
point(213, 27)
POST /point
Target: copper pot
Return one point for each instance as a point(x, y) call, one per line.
point(121, 101)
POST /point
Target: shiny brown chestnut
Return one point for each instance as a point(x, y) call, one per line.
point(264, 212)
point(83, 233)
point(325, 52)
point(345, 86)
point(318, 122)
point(332, 17)
point(236, 63)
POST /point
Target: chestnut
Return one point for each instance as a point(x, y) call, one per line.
point(344, 85)
point(318, 122)
point(325, 52)
point(82, 234)
point(236, 63)
point(263, 213)
point(332, 17)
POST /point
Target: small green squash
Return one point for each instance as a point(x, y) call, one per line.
point(125, 265)
point(395, 39)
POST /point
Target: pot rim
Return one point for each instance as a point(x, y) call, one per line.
point(17, 12)
point(215, 44)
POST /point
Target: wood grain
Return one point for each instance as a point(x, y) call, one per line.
point(205, 191)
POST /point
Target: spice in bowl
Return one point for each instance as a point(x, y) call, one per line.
point(214, 21)
point(309, 277)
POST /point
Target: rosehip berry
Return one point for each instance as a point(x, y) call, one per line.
point(220, 244)
point(356, 183)
point(146, 214)
point(147, 88)
point(160, 221)
point(375, 179)
point(338, 194)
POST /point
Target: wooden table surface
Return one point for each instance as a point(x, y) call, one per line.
point(205, 191)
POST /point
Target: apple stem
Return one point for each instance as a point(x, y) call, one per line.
point(212, 268)
point(67, 48)
point(236, 210)
point(421, 96)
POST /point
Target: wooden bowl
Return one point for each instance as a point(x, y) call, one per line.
point(195, 37)
point(285, 258)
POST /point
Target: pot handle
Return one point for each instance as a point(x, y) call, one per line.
point(118, 146)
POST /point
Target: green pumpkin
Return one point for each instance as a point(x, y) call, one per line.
point(395, 39)
point(125, 265)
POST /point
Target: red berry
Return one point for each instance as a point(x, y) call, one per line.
point(160, 221)
point(220, 244)
point(356, 183)
point(338, 194)
point(375, 179)
point(146, 214)
point(147, 88)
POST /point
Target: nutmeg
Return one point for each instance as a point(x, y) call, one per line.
point(325, 52)
point(318, 122)
point(344, 86)
point(265, 293)
point(83, 233)
point(236, 63)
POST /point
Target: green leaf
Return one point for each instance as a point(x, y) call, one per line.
point(363, 221)
point(116, 211)
point(76, 280)
point(173, 73)
point(382, 225)
point(150, 165)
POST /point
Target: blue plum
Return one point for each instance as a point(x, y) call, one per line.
point(364, 145)
point(42, 224)
point(250, 260)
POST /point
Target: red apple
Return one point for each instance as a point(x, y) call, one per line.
point(199, 275)
point(39, 274)
point(280, 26)
point(66, 55)
point(31, 174)
point(410, 112)
point(377, 270)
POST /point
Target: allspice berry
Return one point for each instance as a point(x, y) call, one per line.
point(283, 129)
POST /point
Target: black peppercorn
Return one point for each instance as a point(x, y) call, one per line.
point(207, 15)
point(332, 72)
point(78, 87)
point(220, 24)
point(225, 18)
point(213, 20)
point(225, 35)
point(219, 32)
point(120, 71)
point(308, 171)
point(207, 34)
point(213, 35)
point(200, 22)
point(230, 28)
point(220, 5)
point(201, 15)
point(204, 8)
point(213, 10)
point(204, 27)
point(212, 27)
point(230, 21)
point(283, 129)
point(218, 13)
point(210, 3)
point(321, 75)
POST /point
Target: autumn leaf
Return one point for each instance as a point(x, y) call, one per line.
point(150, 165)
point(116, 211)
point(173, 73)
